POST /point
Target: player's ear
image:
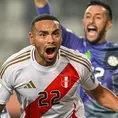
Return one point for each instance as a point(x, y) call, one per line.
point(109, 25)
point(31, 38)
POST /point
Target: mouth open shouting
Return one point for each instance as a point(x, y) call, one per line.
point(92, 31)
point(50, 52)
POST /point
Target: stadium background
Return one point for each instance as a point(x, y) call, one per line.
point(15, 18)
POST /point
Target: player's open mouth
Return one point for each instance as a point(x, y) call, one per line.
point(50, 52)
point(92, 30)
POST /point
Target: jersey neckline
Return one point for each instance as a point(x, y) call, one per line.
point(43, 68)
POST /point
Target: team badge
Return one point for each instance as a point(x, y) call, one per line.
point(112, 61)
point(65, 81)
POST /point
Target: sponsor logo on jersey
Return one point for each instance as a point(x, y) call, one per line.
point(30, 85)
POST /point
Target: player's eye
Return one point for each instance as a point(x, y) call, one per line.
point(43, 35)
point(56, 34)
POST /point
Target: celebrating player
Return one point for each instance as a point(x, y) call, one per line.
point(102, 53)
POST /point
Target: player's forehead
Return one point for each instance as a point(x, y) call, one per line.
point(95, 9)
point(47, 24)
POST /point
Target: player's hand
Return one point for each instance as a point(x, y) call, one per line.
point(40, 3)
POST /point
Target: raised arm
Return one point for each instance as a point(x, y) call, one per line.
point(43, 7)
point(40, 3)
point(105, 97)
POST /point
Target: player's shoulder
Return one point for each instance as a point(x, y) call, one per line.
point(68, 51)
point(16, 59)
point(22, 53)
point(75, 57)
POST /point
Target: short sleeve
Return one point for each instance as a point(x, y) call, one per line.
point(88, 81)
point(4, 93)
point(84, 68)
point(5, 87)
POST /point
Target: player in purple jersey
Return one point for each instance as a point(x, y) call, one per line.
point(102, 53)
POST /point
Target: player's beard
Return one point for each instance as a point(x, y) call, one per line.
point(99, 38)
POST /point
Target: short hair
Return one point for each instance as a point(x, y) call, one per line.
point(103, 4)
point(43, 17)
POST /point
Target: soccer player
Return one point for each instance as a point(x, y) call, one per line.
point(102, 53)
point(46, 75)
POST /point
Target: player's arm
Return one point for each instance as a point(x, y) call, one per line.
point(104, 97)
point(40, 3)
point(43, 7)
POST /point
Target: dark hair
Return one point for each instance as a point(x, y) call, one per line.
point(101, 3)
point(43, 17)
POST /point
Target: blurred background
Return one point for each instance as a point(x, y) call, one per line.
point(15, 18)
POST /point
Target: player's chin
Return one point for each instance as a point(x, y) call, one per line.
point(51, 57)
point(50, 61)
point(92, 40)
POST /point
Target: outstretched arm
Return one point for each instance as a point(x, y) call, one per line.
point(43, 7)
point(105, 97)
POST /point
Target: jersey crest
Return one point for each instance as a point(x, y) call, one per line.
point(66, 81)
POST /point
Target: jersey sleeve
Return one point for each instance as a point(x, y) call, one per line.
point(6, 89)
point(70, 40)
point(84, 69)
point(88, 81)
point(47, 9)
